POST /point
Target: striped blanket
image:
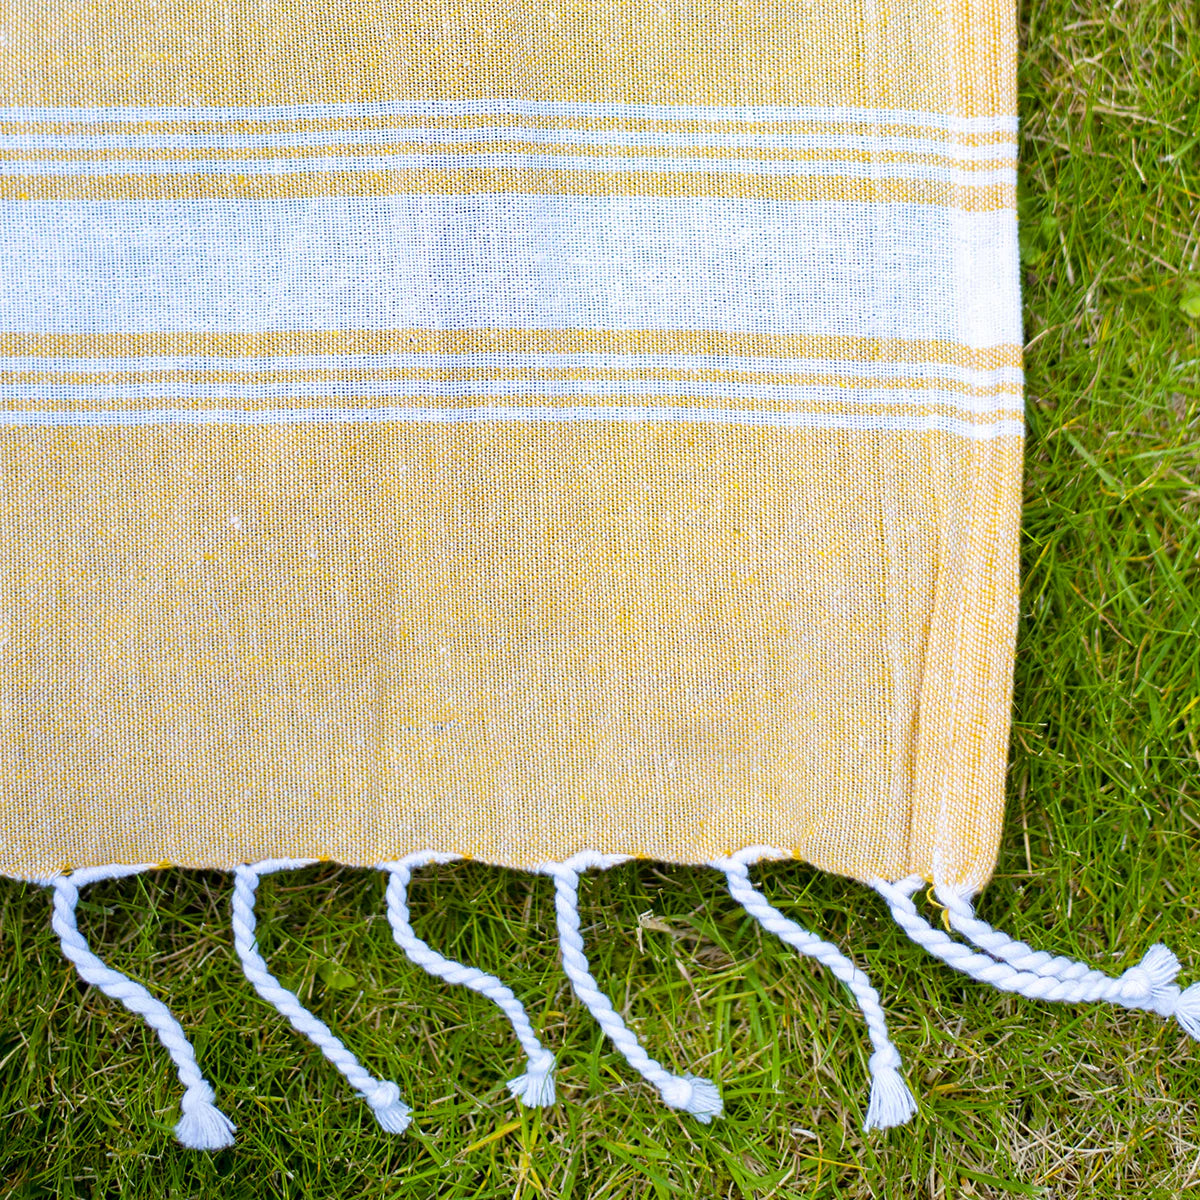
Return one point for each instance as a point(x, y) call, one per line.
point(546, 433)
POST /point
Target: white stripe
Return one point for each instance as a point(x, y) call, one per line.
point(521, 108)
point(917, 422)
point(317, 164)
point(97, 393)
point(514, 261)
point(865, 143)
point(583, 360)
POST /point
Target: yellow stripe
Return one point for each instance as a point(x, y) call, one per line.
point(506, 341)
point(667, 641)
point(953, 57)
point(455, 122)
point(466, 374)
point(529, 182)
point(856, 409)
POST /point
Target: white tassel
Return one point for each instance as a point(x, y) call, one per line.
point(535, 1088)
point(383, 1097)
point(1146, 985)
point(687, 1092)
point(202, 1125)
point(1012, 966)
point(891, 1101)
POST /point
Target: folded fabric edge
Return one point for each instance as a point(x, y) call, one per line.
point(1006, 963)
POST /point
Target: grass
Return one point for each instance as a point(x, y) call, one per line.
point(1100, 856)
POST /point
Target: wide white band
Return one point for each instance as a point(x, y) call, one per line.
point(511, 261)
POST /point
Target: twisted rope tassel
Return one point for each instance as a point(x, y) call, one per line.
point(1013, 967)
point(202, 1125)
point(891, 1102)
point(536, 1087)
point(1148, 985)
point(390, 1111)
point(687, 1092)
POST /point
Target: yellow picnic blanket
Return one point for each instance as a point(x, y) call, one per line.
point(508, 429)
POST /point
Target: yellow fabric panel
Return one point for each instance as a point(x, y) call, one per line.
point(508, 641)
point(950, 57)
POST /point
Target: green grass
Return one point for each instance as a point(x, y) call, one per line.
point(1100, 854)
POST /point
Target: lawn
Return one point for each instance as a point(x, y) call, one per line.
point(1100, 857)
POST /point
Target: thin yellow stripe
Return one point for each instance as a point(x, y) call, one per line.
point(504, 341)
point(455, 122)
point(834, 189)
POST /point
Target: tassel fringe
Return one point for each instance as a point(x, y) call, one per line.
point(693, 1095)
point(382, 1097)
point(1012, 966)
point(1147, 985)
point(891, 1102)
point(535, 1088)
point(202, 1126)
point(986, 954)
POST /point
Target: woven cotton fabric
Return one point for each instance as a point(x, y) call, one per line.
point(508, 430)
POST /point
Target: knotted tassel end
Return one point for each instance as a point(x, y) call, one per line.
point(203, 1126)
point(891, 1101)
point(694, 1095)
point(1161, 965)
point(535, 1088)
point(390, 1111)
point(1187, 1010)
